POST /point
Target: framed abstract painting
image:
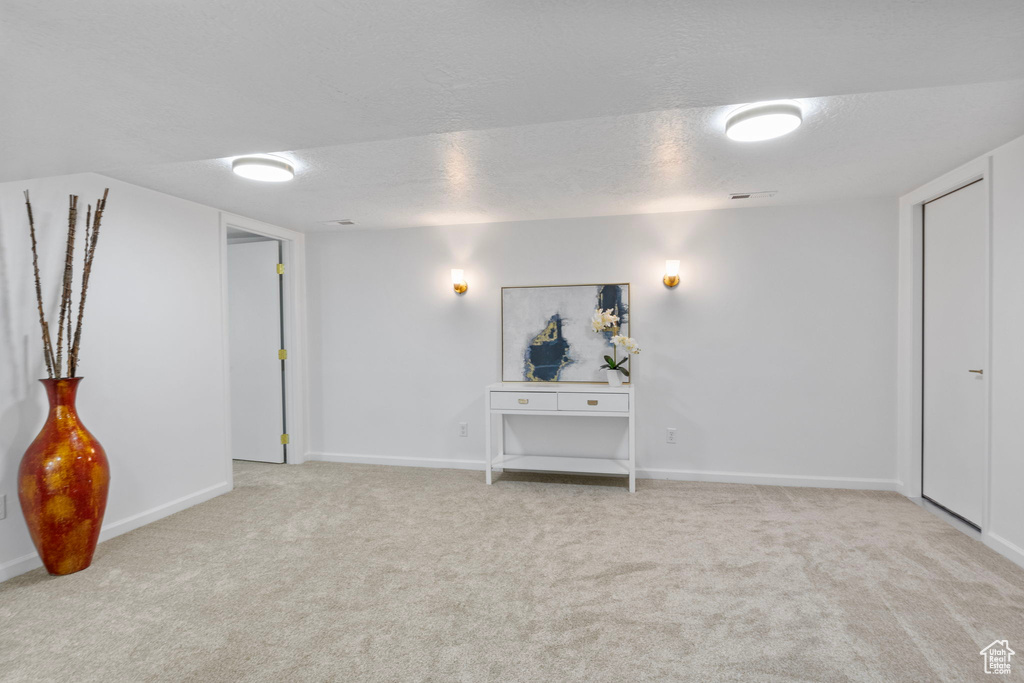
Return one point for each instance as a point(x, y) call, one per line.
point(546, 332)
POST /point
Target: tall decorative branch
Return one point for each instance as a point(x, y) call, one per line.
point(47, 347)
point(72, 345)
point(65, 294)
point(54, 362)
point(92, 236)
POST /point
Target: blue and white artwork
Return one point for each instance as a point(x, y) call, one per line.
point(546, 332)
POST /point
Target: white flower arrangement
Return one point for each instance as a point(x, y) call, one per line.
point(603, 320)
point(627, 343)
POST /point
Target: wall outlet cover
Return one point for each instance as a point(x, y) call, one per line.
point(3, 506)
point(463, 429)
point(670, 435)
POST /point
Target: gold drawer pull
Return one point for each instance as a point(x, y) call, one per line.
point(524, 401)
point(592, 402)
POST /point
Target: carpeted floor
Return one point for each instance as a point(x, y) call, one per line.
point(356, 572)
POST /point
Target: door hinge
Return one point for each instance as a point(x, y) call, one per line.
point(280, 269)
point(284, 439)
point(282, 354)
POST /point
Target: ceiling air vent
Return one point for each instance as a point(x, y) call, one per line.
point(340, 221)
point(767, 194)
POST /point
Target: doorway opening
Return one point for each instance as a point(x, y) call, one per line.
point(954, 351)
point(912, 344)
point(263, 317)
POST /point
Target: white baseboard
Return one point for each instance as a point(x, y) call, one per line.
point(448, 463)
point(642, 473)
point(161, 511)
point(1004, 547)
point(771, 479)
point(19, 565)
point(31, 561)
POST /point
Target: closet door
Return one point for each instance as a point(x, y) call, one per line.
point(254, 339)
point(955, 351)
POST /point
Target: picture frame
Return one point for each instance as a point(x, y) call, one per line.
point(546, 333)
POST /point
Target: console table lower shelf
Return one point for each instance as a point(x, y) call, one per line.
point(558, 399)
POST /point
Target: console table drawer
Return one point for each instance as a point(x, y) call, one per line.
point(599, 403)
point(525, 400)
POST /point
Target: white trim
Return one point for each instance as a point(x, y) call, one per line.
point(247, 240)
point(31, 561)
point(294, 245)
point(909, 324)
point(772, 479)
point(990, 369)
point(643, 473)
point(19, 566)
point(160, 511)
point(448, 463)
point(1004, 547)
point(225, 351)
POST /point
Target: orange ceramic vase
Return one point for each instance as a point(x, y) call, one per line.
point(62, 484)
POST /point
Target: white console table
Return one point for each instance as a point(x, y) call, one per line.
point(559, 399)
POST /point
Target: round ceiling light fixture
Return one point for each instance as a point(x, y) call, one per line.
point(265, 167)
point(763, 121)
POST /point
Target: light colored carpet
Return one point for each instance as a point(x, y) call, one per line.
point(357, 572)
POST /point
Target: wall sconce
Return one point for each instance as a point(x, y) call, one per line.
point(671, 278)
point(459, 281)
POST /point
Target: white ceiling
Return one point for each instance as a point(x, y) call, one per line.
point(869, 145)
point(544, 108)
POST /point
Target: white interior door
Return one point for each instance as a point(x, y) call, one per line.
point(254, 339)
point(955, 351)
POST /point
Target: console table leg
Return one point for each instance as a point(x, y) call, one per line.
point(487, 444)
point(632, 451)
point(501, 440)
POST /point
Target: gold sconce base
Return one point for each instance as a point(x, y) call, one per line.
point(670, 280)
point(460, 288)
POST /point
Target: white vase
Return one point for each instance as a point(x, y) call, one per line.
point(614, 378)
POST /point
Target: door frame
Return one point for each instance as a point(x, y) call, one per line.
point(910, 330)
point(293, 245)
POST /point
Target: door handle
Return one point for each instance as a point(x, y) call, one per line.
point(980, 372)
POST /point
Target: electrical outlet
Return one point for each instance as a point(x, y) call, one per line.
point(463, 429)
point(3, 505)
point(670, 435)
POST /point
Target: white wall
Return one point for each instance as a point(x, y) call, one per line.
point(774, 358)
point(1006, 523)
point(152, 353)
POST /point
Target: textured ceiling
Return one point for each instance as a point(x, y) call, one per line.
point(878, 144)
point(101, 84)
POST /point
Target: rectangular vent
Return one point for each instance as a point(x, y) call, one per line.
point(767, 194)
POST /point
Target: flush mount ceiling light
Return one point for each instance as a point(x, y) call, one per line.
point(763, 121)
point(265, 167)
